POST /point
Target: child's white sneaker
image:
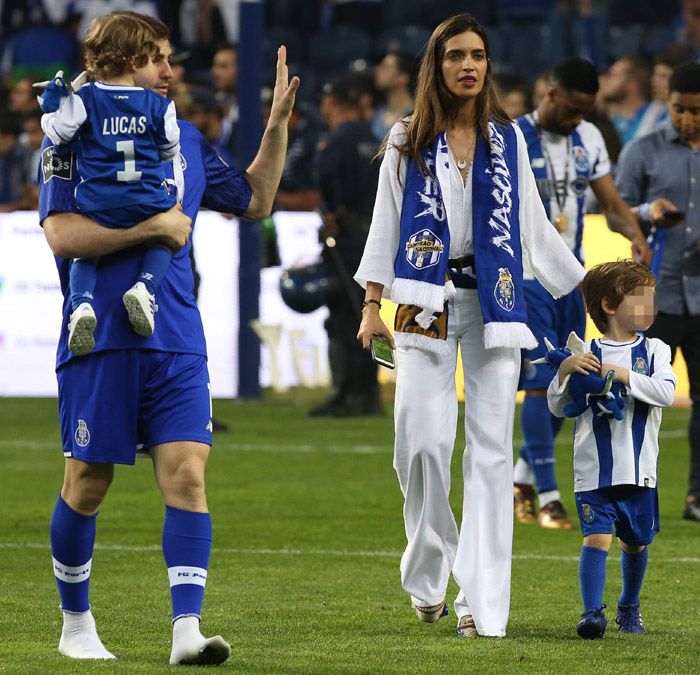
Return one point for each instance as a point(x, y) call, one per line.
point(141, 306)
point(81, 329)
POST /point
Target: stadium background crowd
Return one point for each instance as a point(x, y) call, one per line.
point(633, 43)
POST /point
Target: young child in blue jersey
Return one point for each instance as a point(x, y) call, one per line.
point(615, 461)
point(121, 134)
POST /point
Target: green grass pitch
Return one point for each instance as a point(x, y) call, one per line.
point(304, 575)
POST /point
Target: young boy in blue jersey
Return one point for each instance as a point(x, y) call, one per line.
point(122, 134)
point(615, 462)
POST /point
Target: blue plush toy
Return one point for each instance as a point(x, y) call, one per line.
point(55, 91)
point(601, 394)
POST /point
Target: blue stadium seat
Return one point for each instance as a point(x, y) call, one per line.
point(409, 39)
point(331, 51)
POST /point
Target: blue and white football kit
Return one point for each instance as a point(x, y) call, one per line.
point(201, 178)
point(121, 136)
point(134, 391)
point(615, 465)
point(564, 166)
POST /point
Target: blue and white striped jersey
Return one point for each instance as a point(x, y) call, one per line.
point(563, 167)
point(610, 452)
point(121, 136)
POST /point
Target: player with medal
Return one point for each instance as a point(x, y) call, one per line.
point(567, 154)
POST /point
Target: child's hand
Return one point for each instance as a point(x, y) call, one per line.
point(579, 363)
point(622, 374)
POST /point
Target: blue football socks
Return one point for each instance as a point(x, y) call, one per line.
point(591, 570)
point(186, 549)
point(634, 565)
point(83, 277)
point(72, 542)
point(538, 447)
point(155, 265)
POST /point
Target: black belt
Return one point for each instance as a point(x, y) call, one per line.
point(461, 263)
point(455, 267)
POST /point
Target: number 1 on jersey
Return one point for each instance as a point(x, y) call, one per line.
point(129, 173)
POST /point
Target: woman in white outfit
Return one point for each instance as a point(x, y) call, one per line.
point(456, 211)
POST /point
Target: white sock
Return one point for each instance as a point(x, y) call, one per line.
point(79, 639)
point(523, 473)
point(190, 647)
point(545, 498)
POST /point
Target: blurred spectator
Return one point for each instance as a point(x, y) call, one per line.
point(656, 114)
point(204, 111)
point(363, 82)
point(12, 192)
point(392, 80)
point(22, 98)
point(224, 72)
point(540, 87)
point(689, 34)
point(514, 93)
point(347, 180)
point(624, 91)
point(30, 143)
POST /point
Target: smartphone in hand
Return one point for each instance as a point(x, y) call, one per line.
point(670, 214)
point(381, 351)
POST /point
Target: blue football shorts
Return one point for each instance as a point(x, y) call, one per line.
point(114, 402)
point(554, 319)
point(633, 510)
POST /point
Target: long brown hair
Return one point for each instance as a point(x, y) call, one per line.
point(436, 106)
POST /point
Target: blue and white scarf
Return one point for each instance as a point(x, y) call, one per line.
point(420, 266)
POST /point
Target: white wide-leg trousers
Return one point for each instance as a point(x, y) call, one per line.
point(479, 553)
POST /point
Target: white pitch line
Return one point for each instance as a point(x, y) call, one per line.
point(153, 548)
point(304, 448)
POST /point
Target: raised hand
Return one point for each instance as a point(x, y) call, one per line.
point(285, 91)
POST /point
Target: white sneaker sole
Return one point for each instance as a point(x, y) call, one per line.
point(139, 315)
point(81, 339)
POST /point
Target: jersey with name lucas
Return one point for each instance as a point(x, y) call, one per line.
point(121, 136)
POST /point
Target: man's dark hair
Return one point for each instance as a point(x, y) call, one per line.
point(685, 79)
point(405, 62)
point(345, 89)
point(576, 75)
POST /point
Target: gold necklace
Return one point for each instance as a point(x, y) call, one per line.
point(462, 164)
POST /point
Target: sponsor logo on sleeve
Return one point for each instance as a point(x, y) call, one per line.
point(54, 165)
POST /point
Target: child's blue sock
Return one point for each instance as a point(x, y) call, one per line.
point(538, 448)
point(634, 565)
point(83, 277)
point(591, 570)
point(186, 549)
point(72, 542)
point(154, 266)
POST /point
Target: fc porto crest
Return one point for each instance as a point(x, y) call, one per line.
point(640, 366)
point(581, 159)
point(587, 513)
point(82, 434)
point(423, 249)
point(504, 292)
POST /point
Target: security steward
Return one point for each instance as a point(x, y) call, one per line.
point(347, 181)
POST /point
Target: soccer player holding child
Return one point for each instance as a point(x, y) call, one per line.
point(122, 134)
point(615, 461)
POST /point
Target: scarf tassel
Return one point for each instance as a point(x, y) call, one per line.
point(511, 334)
